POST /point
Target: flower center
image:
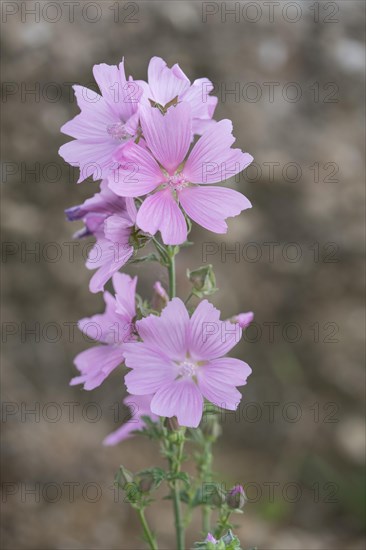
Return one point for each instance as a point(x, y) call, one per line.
point(187, 369)
point(118, 131)
point(178, 181)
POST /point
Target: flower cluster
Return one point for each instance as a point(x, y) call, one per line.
point(158, 153)
point(139, 137)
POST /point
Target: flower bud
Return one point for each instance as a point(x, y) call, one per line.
point(147, 482)
point(203, 281)
point(243, 319)
point(160, 297)
point(123, 477)
point(236, 498)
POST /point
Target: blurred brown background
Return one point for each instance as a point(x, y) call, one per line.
point(297, 72)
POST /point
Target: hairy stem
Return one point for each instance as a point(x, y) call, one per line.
point(175, 465)
point(147, 533)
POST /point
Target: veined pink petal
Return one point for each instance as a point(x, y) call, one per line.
point(136, 351)
point(122, 95)
point(168, 136)
point(95, 364)
point(100, 327)
point(169, 331)
point(107, 257)
point(180, 398)
point(210, 206)
point(149, 369)
point(94, 158)
point(93, 105)
point(210, 338)
point(138, 172)
point(125, 287)
point(212, 160)
point(223, 395)
point(165, 84)
point(117, 229)
point(202, 104)
point(227, 370)
point(160, 212)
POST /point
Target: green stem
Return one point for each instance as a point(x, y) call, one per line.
point(148, 534)
point(206, 476)
point(171, 272)
point(175, 464)
point(223, 524)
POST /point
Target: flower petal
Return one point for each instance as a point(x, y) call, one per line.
point(180, 398)
point(165, 84)
point(108, 257)
point(138, 172)
point(208, 337)
point(95, 364)
point(125, 288)
point(168, 136)
point(167, 332)
point(160, 212)
point(223, 395)
point(210, 206)
point(93, 158)
point(212, 160)
point(122, 96)
point(150, 369)
point(227, 370)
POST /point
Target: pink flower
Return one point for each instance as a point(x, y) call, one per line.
point(243, 319)
point(139, 406)
point(106, 122)
point(112, 329)
point(210, 538)
point(180, 361)
point(111, 219)
point(165, 84)
point(161, 170)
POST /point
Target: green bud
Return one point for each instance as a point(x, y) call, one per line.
point(146, 483)
point(203, 281)
point(210, 426)
point(123, 477)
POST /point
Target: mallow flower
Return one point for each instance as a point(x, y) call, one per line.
point(106, 122)
point(168, 84)
point(111, 219)
point(180, 361)
point(112, 329)
point(139, 406)
point(161, 167)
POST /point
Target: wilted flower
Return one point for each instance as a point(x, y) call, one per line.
point(236, 498)
point(180, 361)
